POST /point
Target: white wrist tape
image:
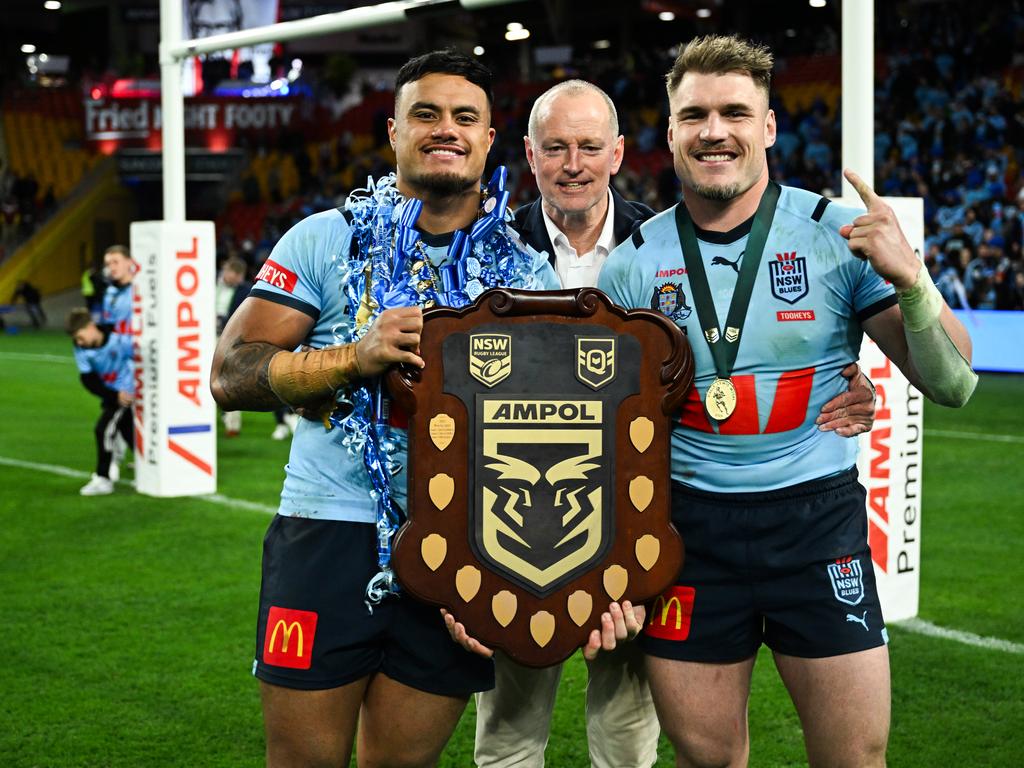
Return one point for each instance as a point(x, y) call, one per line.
point(921, 304)
point(945, 375)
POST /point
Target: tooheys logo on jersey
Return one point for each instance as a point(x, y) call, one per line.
point(490, 357)
point(541, 512)
point(273, 273)
point(788, 274)
point(288, 638)
point(847, 580)
point(670, 614)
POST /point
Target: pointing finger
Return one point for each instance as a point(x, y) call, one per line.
point(867, 194)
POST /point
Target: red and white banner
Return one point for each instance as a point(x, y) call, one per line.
point(211, 123)
point(889, 461)
point(175, 333)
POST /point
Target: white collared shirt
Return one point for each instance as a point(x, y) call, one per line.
point(581, 270)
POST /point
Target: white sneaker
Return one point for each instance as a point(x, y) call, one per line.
point(281, 432)
point(114, 472)
point(97, 486)
point(232, 423)
point(292, 420)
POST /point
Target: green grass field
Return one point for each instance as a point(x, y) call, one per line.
point(128, 621)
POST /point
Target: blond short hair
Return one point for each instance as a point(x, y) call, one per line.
point(719, 54)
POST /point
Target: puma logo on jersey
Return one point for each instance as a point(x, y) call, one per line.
point(863, 620)
point(721, 260)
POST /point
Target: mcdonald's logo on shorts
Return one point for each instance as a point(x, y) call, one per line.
point(288, 639)
point(670, 614)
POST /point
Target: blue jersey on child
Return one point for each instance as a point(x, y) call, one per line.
point(802, 327)
point(112, 362)
point(304, 271)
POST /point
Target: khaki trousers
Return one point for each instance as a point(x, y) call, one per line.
point(514, 719)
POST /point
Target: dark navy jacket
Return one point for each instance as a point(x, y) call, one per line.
point(528, 221)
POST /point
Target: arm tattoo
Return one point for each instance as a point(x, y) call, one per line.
point(244, 378)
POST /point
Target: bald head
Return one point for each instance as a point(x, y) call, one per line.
point(574, 148)
point(575, 88)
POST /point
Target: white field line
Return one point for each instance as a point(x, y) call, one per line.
point(919, 626)
point(30, 356)
point(922, 627)
point(214, 498)
point(974, 436)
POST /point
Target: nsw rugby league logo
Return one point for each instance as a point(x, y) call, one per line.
point(788, 277)
point(847, 579)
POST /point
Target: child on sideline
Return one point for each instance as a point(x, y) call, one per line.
point(106, 369)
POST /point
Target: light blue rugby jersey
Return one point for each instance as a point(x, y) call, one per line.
point(112, 362)
point(117, 307)
point(802, 327)
point(304, 272)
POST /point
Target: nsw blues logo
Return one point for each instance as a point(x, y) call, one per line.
point(847, 580)
point(788, 275)
point(670, 300)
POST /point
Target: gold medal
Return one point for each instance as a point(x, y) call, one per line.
point(720, 400)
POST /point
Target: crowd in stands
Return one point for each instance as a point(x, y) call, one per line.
point(22, 207)
point(949, 129)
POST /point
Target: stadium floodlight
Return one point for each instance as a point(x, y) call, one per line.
point(517, 34)
point(52, 5)
point(28, 48)
point(666, 16)
point(817, 3)
point(478, 50)
point(602, 44)
point(703, 13)
point(513, 26)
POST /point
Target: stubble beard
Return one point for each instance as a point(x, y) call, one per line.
point(443, 184)
point(719, 192)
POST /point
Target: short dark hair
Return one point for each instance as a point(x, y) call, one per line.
point(78, 318)
point(446, 62)
point(121, 249)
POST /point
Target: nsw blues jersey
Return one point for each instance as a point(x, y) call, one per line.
point(112, 362)
point(305, 271)
point(802, 327)
point(117, 307)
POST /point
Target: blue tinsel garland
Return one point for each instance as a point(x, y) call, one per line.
point(391, 270)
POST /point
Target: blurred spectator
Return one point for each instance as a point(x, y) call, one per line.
point(29, 294)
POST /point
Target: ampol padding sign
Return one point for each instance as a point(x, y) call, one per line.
point(889, 460)
point(175, 333)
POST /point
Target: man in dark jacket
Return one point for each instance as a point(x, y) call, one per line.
point(574, 148)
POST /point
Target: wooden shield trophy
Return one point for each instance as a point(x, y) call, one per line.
point(538, 474)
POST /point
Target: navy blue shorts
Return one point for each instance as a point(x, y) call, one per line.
point(789, 568)
point(315, 632)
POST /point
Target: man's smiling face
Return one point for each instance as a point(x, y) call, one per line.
point(441, 134)
point(719, 129)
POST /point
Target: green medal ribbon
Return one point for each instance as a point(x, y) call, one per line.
point(724, 346)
